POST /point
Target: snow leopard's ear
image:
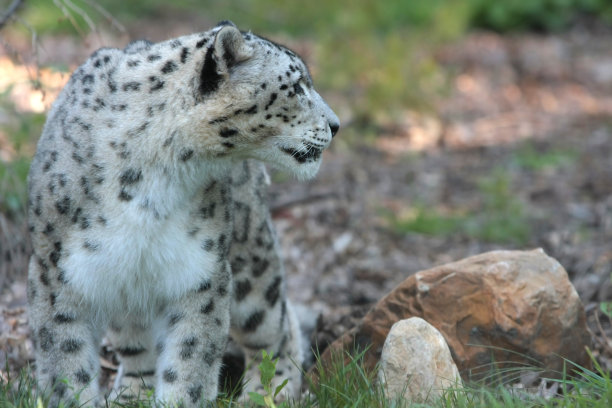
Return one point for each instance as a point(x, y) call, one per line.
point(227, 50)
point(230, 48)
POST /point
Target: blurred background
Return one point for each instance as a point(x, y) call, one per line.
point(467, 126)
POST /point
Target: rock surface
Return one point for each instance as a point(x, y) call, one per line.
point(416, 362)
point(509, 307)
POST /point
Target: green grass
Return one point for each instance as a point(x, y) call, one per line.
point(352, 385)
point(530, 157)
point(500, 217)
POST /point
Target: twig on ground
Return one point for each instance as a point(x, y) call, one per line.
point(606, 343)
point(294, 201)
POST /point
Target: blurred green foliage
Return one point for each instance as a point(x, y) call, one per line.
point(23, 131)
point(500, 216)
point(530, 157)
point(375, 56)
point(378, 54)
point(542, 15)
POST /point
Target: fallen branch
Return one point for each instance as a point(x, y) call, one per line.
point(275, 208)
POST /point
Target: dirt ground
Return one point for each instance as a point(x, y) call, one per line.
point(511, 97)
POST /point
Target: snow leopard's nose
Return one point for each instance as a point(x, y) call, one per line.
point(334, 126)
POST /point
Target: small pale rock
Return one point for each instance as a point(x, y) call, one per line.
point(416, 362)
point(502, 308)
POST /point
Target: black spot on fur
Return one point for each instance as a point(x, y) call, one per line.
point(188, 347)
point(204, 286)
point(208, 245)
point(184, 54)
point(254, 321)
point(91, 246)
point(186, 154)
point(218, 120)
point(87, 79)
point(195, 393)
point(228, 145)
point(226, 132)
point(238, 264)
point(154, 57)
point(169, 66)
point(252, 110)
point(242, 289)
point(71, 346)
point(174, 319)
point(207, 308)
point(168, 141)
point(131, 86)
point(273, 97)
point(49, 228)
point(77, 157)
point(56, 254)
point(137, 131)
point(201, 43)
point(169, 375)
point(61, 277)
point(157, 84)
point(273, 291)
point(63, 318)
point(209, 78)
point(124, 195)
point(260, 266)
point(44, 277)
point(130, 176)
point(45, 339)
point(59, 387)
point(208, 211)
point(63, 206)
point(82, 376)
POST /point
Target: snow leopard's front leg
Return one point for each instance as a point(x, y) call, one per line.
point(261, 315)
point(65, 337)
point(192, 340)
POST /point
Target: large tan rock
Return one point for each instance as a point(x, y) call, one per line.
point(416, 362)
point(508, 307)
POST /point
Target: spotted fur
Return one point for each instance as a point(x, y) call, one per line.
point(148, 215)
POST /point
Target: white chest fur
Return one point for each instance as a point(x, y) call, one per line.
point(133, 264)
point(144, 256)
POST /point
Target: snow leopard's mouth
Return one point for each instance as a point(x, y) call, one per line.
point(308, 153)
